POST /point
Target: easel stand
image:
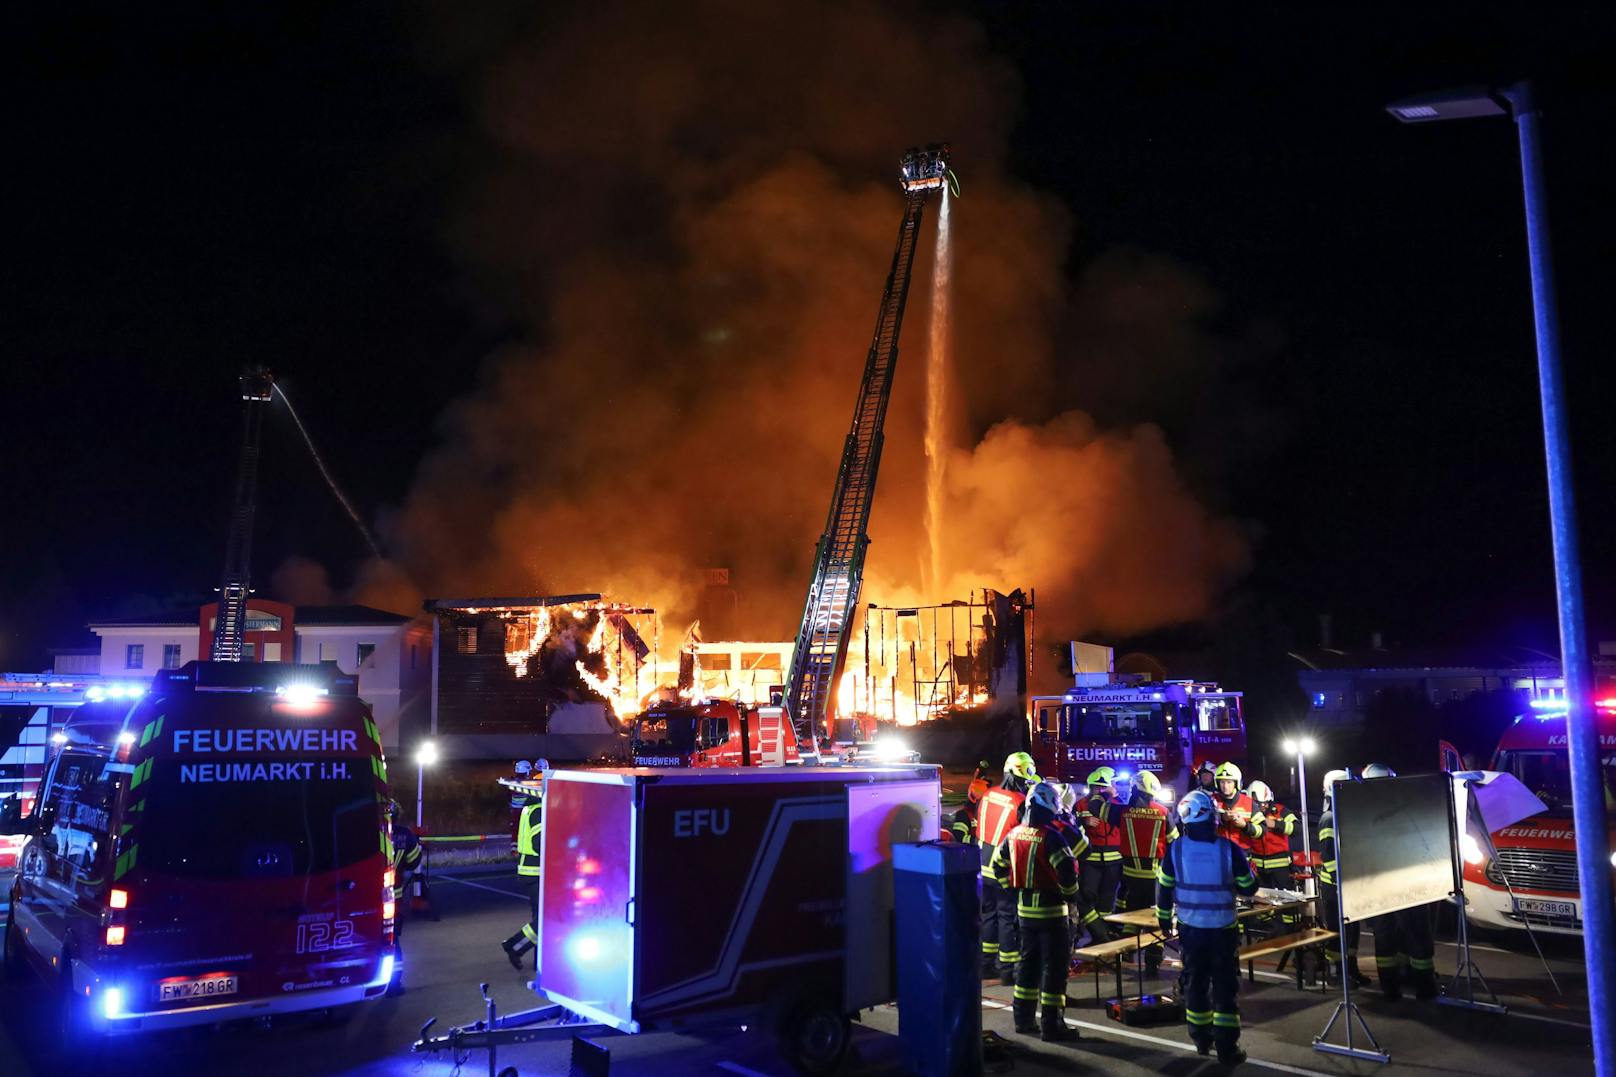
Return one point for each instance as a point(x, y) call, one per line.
point(1464, 995)
point(1346, 1006)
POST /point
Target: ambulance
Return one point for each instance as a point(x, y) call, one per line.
point(216, 850)
point(1534, 880)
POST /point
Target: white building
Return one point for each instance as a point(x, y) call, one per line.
point(391, 653)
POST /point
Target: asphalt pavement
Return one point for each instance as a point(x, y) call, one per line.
point(1544, 1032)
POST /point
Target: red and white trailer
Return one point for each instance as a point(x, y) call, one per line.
point(675, 897)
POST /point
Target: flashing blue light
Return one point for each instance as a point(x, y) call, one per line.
point(1548, 703)
point(1318, 701)
point(112, 1002)
point(95, 695)
point(583, 949)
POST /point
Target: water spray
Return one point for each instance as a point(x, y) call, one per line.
point(325, 473)
point(937, 396)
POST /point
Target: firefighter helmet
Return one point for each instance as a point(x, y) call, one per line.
point(1197, 808)
point(1102, 776)
point(1378, 770)
point(523, 768)
point(1068, 796)
point(1147, 782)
point(540, 765)
point(1021, 765)
point(1335, 776)
point(1043, 795)
point(1261, 793)
point(1227, 772)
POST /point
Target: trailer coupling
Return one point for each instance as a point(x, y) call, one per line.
point(551, 1022)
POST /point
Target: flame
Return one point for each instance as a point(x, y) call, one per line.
point(524, 634)
point(630, 681)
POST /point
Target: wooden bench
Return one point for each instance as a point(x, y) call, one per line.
point(1113, 952)
point(1282, 944)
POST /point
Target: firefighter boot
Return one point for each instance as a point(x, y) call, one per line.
point(1023, 1010)
point(1231, 1056)
point(1354, 973)
point(516, 948)
point(1007, 975)
point(1425, 985)
point(1389, 982)
point(1054, 1028)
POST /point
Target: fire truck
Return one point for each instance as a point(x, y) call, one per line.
point(1166, 727)
point(713, 733)
point(216, 850)
point(1534, 879)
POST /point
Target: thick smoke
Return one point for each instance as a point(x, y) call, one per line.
point(693, 208)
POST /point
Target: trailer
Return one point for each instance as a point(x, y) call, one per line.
point(677, 898)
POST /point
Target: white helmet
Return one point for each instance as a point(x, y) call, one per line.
point(1334, 776)
point(1260, 792)
point(1196, 808)
point(1043, 795)
point(1378, 770)
point(1068, 796)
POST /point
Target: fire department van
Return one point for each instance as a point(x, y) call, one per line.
point(1163, 727)
point(1537, 857)
point(710, 734)
point(217, 850)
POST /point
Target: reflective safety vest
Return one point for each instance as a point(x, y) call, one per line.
point(1144, 840)
point(998, 813)
point(1229, 825)
point(1076, 840)
point(1203, 881)
point(1104, 830)
point(527, 839)
point(1272, 849)
point(1035, 862)
point(1327, 848)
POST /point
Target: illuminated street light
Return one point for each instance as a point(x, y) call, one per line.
point(425, 756)
point(1301, 748)
point(1587, 786)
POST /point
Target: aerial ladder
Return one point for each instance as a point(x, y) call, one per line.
point(821, 648)
point(257, 387)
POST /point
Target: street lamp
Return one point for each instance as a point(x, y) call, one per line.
point(425, 756)
point(1587, 789)
point(1301, 748)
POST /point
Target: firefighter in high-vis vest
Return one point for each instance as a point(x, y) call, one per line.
point(408, 859)
point(1035, 864)
point(997, 815)
point(1405, 949)
point(1200, 875)
point(1146, 830)
point(528, 830)
point(1101, 877)
point(1271, 852)
point(1081, 913)
point(1337, 956)
point(1238, 818)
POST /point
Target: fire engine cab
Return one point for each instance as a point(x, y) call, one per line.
point(1164, 727)
point(711, 734)
point(1534, 879)
point(216, 850)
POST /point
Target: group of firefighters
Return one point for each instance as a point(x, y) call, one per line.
point(1056, 860)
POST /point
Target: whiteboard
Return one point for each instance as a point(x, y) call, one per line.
point(1394, 843)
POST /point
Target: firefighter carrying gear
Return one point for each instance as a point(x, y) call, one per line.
point(1035, 864)
point(1146, 830)
point(1271, 852)
point(528, 831)
point(1200, 876)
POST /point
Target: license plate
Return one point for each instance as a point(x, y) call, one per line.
point(201, 987)
point(1546, 908)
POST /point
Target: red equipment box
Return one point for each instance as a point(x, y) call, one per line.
point(672, 896)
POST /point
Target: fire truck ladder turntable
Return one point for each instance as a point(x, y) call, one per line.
point(820, 653)
point(257, 386)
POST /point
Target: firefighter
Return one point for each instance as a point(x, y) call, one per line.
point(1339, 957)
point(997, 815)
point(1238, 818)
point(1271, 852)
point(407, 858)
point(962, 824)
point(1206, 778)
point(1083, 915)
point(1101, 875)
point(1403, 939)
point(1200, 874)
point(1036, 865)
point(1146, 830)
point(528, 829)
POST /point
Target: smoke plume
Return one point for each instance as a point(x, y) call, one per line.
point(691, 208)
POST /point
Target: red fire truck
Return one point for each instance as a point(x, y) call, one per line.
point(1534, 879)
point(711, 734)
point(216, 850)
point(1165, 727)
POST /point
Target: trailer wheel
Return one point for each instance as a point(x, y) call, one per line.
point(814, 1036)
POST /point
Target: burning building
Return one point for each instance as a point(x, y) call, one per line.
point(542, 675)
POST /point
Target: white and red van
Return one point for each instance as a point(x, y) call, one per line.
point(1537, 857)
point(216, 850)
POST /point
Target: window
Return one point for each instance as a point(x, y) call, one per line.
point(365, 651)
point(80, 809)
point(249, 652)
point(272, 651)
point(760, 660)
point(134, 656)
point(1318, 701)
point(1114, 722)
point(171, 656)
point(713, 662)
point(466, 639)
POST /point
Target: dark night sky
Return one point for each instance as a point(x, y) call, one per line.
point(211, 186)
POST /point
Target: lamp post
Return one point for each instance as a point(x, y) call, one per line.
point(1301, 748)
point(1587, 792)
point(425, 756)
